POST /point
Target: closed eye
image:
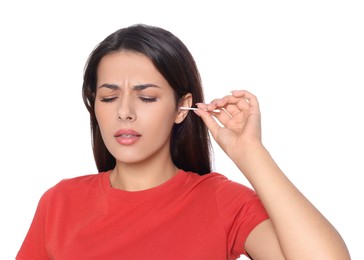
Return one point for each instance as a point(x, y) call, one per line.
point(148, 99)
point(108, 100)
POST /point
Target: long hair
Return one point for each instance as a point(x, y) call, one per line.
point(190, 143)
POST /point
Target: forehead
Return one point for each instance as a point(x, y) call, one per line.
point(131, 70)
point(127, 65)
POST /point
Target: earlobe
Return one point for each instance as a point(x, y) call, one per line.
point(185, 101)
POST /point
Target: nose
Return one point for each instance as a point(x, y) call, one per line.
point(126, 110)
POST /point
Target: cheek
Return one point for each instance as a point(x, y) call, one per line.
point(160, 120)
point(98, 114)
point(102, 115)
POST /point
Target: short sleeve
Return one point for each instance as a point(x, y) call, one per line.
point(241, 211)
point(34, 245)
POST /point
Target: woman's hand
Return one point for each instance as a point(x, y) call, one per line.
point(297, 229)
point(237, 127)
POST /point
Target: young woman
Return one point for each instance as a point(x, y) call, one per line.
point(155, 196)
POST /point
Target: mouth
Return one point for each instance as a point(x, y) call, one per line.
point(127, 136)
point(127, 133)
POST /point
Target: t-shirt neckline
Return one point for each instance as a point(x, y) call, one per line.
point(178, 180)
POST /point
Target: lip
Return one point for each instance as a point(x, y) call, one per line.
point(127, 136)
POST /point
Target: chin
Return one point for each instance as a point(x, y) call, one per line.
point(129, 159)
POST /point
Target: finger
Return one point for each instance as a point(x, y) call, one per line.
point(233, 105)
point(208, 119)
point(240, 101)
point(251, 98)
point(222, 116)
point(212, 105)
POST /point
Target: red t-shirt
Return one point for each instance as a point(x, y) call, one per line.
point(188, 217)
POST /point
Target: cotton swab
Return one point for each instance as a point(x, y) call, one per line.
point(215, 110)
point(195, 108)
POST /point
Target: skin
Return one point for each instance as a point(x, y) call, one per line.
point(132, 94)
point(295, 230)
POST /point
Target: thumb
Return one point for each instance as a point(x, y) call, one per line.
point(208, 119)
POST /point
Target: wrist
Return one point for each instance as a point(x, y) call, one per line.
point(252, 158)
point(247, 151)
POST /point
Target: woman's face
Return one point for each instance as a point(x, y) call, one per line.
point(135, 108)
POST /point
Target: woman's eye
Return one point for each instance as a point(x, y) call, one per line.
point(148, 99)
point(107, 99)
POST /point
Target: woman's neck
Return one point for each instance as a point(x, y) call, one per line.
point(141, 176)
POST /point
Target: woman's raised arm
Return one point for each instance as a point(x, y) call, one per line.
point(296, 226)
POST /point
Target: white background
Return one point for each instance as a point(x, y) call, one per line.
point(303, 59)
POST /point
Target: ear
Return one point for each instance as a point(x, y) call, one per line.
point(185, 101)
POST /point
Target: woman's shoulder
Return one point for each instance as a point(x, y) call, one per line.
point(221, 184)
point(215, 178)
point(79, 181)
point(74, 185)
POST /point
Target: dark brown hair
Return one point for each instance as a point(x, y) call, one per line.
point(190, 144)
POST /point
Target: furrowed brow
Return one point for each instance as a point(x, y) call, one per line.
point(136, 87)
point(109, 86)
point(144, 86)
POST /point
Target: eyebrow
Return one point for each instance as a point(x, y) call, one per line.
point(136, 87)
